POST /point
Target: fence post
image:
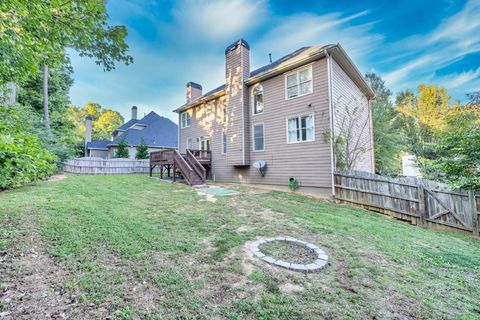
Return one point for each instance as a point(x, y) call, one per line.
point(422, 206)
point(473, 207)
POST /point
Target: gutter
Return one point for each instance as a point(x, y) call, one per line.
point(331, 115)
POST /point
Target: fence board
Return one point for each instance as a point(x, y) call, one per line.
point(98, 166)
point(419, 201)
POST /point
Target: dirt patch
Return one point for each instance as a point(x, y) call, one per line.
point(290, 288)
point(57, 177)
point(244, 228)
point(33, 286)
point(288, 251)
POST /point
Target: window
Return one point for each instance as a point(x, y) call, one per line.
point(258, 99)
point(258, 137)
point(204, 143)
point(224, 142)
point(300, 129)
point(224, 113)
point(299, 83)
point(185, 119)
point(189, 143)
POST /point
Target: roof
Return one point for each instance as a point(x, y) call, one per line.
point(159, 132)
point(127, 125)
point(301, 56)
point(98, 144)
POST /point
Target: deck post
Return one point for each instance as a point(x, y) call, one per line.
point(161, 171)
point(174, 175)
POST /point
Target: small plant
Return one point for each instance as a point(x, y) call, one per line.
point(142, 151)
point(122, 151)
point(293, 183)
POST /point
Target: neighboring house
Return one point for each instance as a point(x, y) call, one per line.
point(410, 167)
point(157, 133)
point(284, 114)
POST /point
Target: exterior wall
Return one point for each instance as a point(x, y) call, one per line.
point(98, 153)
point(346, 96)
point(237, 72)
point(309, 162)
point(132, 151)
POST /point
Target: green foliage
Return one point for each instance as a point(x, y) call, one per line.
point(455, 158)
point(142, 151)
point(292, 183)
point(104, 120)
point(387, 133)
point(37, 32)
point(23, 157)
point(122, 150)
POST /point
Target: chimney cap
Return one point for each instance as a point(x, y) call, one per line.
point(134, 107)
point(194, 85)
point(88, 118)
point(240, 42)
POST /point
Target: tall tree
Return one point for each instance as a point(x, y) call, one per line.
point(46, 114)
point(387, 133)
point(37, 32)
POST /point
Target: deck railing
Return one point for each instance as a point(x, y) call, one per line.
point(197, 166)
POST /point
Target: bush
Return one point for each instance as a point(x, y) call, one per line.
point(142, 151)
point(23, 158)
point(122, 151)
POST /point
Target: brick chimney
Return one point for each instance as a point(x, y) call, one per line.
point(88, 133)
point(237, 71)
point(134, 113)
point(194, 91)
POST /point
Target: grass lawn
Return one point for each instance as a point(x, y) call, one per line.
point(135, 247)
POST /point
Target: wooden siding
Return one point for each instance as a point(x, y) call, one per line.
point(346, 94)
point(309, 162)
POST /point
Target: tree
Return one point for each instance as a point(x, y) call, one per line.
point(142, 151)
point(37, 32)
point(456, 158)
point(387, 133)
point(122, 150)
point(424, 117)
point(351, 136)
point(107, 122)
point(104, 120)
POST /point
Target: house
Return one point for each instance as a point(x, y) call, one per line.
point(278, 122)
point(155, 131)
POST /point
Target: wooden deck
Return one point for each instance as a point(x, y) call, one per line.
point(194, 165)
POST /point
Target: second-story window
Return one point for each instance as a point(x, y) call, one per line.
point(298, 83)
point(185, 119)
point(258, 99)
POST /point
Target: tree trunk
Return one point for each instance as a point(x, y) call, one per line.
point(46, 116)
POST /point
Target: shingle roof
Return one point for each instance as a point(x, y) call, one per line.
point(268, 67)
point(127, 124)
point(98, 144)
point(159, 132)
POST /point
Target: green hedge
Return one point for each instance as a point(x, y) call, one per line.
point(23, 158)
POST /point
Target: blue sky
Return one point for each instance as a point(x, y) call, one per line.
point(173, 42)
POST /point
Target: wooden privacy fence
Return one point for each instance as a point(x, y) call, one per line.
point(422, 202)
point(100, 166)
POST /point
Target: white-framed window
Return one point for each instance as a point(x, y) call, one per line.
point(189, 143)
point(298, 83)
point(257, 99)
point(300, 129)
point(185, 119)
point(204, 143)
point(258, 135)
point(224, 142)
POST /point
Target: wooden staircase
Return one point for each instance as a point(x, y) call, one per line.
point(188, 165)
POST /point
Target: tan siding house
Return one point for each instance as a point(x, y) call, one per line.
point(282, 114)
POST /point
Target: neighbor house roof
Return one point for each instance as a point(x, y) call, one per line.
point(290, 61)
point(98, 144)
point(158, 132)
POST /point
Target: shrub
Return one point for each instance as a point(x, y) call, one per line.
point(142, 151)
point(23, 158)
point(122, 151)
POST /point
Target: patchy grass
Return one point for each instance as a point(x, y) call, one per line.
point(288, 251)
point(132, 247)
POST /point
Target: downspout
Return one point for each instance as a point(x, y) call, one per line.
point(372, 137)
point(331, 115)
point(243, 104)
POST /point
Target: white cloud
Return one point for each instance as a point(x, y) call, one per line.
point(422, 55)
point(218, 19)
point(300, 30)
